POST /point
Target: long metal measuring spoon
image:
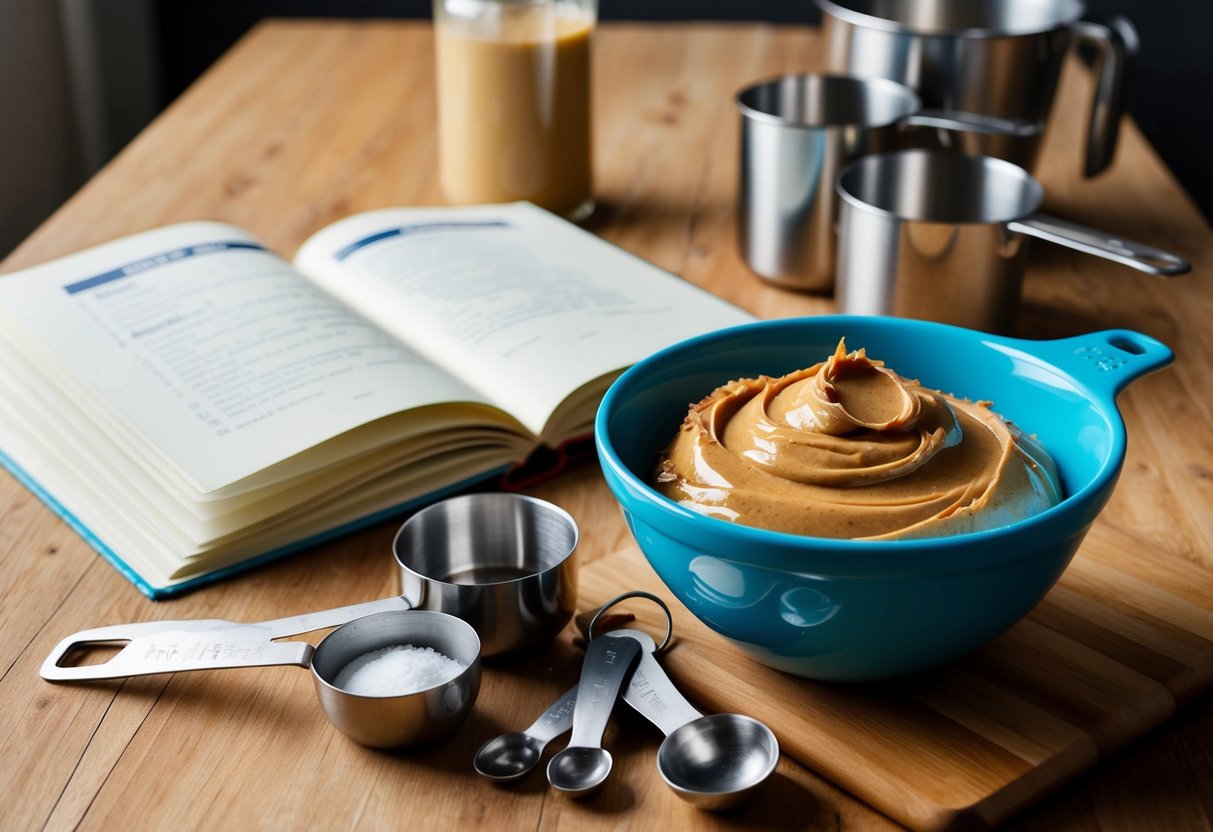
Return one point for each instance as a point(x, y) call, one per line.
point(584, 765)
point(512, 755)
point(713, 762)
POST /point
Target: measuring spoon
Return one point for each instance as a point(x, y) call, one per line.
point(713, 762)
point(584, 765)
point(512, 755)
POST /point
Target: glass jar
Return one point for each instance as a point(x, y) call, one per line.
point(514, 101)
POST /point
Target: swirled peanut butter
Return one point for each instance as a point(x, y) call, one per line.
point(849, 449)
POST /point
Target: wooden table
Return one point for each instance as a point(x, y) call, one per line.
point(306, 122)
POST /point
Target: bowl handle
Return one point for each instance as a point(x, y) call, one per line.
point(1108, 360)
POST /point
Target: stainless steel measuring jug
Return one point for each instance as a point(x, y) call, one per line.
point(797, 133)
point(997, 57)
point(409, 717)
point(943, 237)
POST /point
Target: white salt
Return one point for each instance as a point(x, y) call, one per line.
point(397, 670)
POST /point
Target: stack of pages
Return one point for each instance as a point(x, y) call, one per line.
point(191, 403)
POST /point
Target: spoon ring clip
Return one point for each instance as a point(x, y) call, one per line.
point(636, 593)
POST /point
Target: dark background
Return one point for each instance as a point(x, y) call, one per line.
point(1170, 93)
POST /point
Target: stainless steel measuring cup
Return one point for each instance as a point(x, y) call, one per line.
point(410, 717)
point(943, 237)
point(996, 57)
point(497, 566)
point(797, 133)
point(501, 562)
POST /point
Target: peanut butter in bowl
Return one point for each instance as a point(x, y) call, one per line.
point(848, 448)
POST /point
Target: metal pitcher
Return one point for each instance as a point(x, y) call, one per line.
point(995, 57)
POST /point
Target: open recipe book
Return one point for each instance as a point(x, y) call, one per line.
point(191, 403)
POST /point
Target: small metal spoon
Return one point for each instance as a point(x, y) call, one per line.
point(584, 765)
point(512, 755)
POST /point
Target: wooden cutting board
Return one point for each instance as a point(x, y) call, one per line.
point(1110, 654)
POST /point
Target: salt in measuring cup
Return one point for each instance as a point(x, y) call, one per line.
point(396, 720)
point(498, 565)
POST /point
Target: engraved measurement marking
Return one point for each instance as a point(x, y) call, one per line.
point(643, 687)
point(202, 651)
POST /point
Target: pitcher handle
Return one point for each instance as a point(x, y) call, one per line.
point(1116, 44)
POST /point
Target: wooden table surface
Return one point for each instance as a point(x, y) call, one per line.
point(306, 122)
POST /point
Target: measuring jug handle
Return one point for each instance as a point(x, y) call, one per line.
point(1116, 44)
point(1129, 253)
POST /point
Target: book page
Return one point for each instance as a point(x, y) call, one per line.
point(519, 303)
point(214, 351)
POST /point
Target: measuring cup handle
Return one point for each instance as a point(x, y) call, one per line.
point(1116, 43)
point(167, 651)
point(1127, 252)
point(964, 122)
point(323, 619)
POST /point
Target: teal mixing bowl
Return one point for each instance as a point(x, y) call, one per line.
point(853, 609)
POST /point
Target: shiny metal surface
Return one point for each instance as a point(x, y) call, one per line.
point(503, 563)
point(716, 761)
point(797, 133)
point(511, 755)
point(212, 644)
point(995, 57)
point(584, 765)
point(645, 640)
point(941, 237)
point(713, 762)
point(409, 719)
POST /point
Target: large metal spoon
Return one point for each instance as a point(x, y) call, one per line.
point(584, 765)
point(713, 762)
point(512, 755)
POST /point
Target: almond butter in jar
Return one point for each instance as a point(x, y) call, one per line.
point(514, 101)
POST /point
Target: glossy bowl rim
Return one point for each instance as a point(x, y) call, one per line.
point(653, 503)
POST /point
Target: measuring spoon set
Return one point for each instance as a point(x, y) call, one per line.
point(480, 575)
point(713, 762)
